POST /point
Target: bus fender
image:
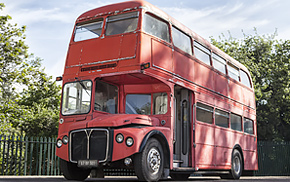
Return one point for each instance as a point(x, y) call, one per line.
point(159, 135)
point(239, 148)
point(163, 141)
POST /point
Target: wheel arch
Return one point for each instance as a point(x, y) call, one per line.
point(163, 142)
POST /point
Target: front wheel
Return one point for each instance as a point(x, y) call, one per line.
point(72, 172)
point(148, 164)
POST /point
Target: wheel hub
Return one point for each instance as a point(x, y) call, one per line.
point(154, 160)
point(237, 165)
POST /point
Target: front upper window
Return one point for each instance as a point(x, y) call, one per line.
point(88, 30)
point(141, 103)
point(106, 97)
point(122, 23)
point(76, 98)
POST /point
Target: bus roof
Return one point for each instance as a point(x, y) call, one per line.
point(141, 4)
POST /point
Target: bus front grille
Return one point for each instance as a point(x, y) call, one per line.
point(89, 144)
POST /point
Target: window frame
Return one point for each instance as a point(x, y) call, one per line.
point(216, 58)
point(245, 120)
point(95, 90)
point(63, 97)
point(222, 115)
point(231, 67)
point(159, 20)
point(152, 103)
point(248, 78)
point(240, 121)
point(94, 21)
point(185, 35)
point(120, 19)
point(202, 49)
point(205, 109)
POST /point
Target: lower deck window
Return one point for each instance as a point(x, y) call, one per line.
point(248, 126)
point(236, 122)
point(221, 118)
point(204, 113)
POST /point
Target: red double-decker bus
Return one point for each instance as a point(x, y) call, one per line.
point(141, 91)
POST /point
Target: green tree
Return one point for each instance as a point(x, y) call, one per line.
point(41, 99)
point(268, 60)
point(12, 52)
point(29, 99)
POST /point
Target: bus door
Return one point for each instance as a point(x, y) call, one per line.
point(182, 135)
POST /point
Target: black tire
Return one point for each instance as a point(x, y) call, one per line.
point(179, 177)
point(72, 172)
point(149, 164)
point(237, 166)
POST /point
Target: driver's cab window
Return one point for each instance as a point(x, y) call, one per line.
point(159, 103)
point(106, 97)
point(138, 104)
point(141, 103)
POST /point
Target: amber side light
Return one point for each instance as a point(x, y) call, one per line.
point(59, 78)
point(145, 66)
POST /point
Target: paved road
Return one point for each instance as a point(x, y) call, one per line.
point(134, 179)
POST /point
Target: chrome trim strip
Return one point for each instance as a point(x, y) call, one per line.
point(101, 62)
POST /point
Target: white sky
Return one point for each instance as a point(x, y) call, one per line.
point(50, 23)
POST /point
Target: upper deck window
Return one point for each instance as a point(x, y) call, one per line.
point(122, 23)
point(219, 63)
point(88, 30)
point(201, 53)
point(181, 40)
point(156, 27)
point(245, 79)
point(233, 72)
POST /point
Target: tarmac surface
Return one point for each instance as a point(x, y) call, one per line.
point(134, 179)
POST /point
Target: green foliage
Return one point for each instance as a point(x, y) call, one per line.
point(268, 60)
point(29, 99)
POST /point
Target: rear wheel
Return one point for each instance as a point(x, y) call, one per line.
point(72, 172)
point(149, 163)
point(237, 166)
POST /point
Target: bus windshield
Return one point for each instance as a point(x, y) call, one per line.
point(76, 98)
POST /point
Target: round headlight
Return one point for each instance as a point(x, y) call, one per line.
point(59, 143)
point(65, 140)
point(119, 138)
point(129, 141)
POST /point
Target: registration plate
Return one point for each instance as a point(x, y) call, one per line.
point(88, 163)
